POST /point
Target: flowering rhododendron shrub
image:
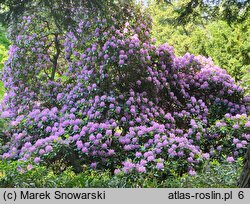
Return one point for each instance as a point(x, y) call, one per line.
point(103, 95)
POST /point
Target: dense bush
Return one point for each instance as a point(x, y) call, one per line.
point(105, 96)
point(214, 174)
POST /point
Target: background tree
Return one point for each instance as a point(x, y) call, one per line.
point(4, 44)
point(61, 12)
point(232, 11)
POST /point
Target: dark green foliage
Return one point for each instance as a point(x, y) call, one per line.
point(232, 11)
point(217, 175)
point(3, 138)
point(61, 12)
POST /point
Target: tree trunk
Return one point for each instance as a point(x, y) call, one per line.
point(244, 181)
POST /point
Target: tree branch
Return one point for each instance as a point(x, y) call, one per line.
point(55, 57)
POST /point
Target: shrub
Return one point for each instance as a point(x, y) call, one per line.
point(217, 174)
point(105, 96)
point(19, 175)
point(231, 135)
point(213, 175)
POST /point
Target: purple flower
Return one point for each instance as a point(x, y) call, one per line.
point(93, 165)
point(123, 119)
point(5, 114)
point(121, 62)
point(219, 148)
point(138, 154)
point(59, 96)
point(192, 173)
point(117, 171)
point(235, 140)
point(141, 169)
point(239, 145)
point(48, 129)
point(104, 146)
point(220, 124)
point(91, 137)
point(99, 136)
point(160, 166)
point(205, 156)
point(247, 125)
point(75, 128)
point(37, 160)
point(138, 82)
point(230, 159)
point(41, 151)
point(106, 56)
point(150, 158)
point(111, 106)
point(138, 120)
point(118, 110)
point(84, 150)
point(111, 152)
point(29, 167)
point(190, 159)
point(102, 104)
point(48, 148)
point(236, 126)
point(79, 144)
point(247, 136)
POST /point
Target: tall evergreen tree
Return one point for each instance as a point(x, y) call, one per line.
point(61, 12)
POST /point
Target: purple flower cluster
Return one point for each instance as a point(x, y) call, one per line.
point(236, 131)
point(118, 101)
